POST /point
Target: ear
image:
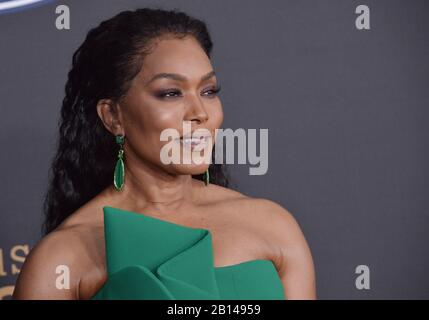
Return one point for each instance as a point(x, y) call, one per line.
point(110, 115)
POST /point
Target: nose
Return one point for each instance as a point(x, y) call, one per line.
point(196, 111)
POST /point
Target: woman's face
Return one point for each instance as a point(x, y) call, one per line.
point(154, 104)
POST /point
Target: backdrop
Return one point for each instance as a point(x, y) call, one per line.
point(346, 109)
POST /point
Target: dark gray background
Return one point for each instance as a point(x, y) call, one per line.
point(346, 112)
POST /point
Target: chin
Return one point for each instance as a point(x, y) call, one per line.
point(192, 169)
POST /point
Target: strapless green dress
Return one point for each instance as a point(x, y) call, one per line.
point(152, 259)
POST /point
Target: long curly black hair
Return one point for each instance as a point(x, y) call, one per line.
point(102, 68)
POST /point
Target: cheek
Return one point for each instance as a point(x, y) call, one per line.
point(216, 115)
point(154, 122)
point(159, 119)
point(150, 118)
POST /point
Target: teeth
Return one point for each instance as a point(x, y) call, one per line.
point(192, 140)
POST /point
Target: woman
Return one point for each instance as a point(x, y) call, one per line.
point(158, 231)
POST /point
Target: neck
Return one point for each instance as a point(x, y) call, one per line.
point(147, 186)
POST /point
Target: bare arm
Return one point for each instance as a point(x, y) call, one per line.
point(50, 271)
point(295, 262)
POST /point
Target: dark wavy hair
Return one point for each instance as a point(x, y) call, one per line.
point(102, 68)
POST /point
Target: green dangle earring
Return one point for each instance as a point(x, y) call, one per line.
point(119, 174)
point(207, 177)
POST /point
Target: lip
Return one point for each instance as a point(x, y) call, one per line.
point(197, 136)
point(194, 145)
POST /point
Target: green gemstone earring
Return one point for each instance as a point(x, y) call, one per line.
point(119, 174)
point(207, 176)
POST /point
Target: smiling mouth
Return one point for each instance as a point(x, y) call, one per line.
point(194, 143)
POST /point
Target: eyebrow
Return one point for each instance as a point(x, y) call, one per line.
point(178, 77)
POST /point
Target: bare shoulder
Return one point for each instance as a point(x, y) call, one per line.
point(58, 264)
point(276, 225)
point(260, 209)
point(268, 218)
point(291, 252)
point(56, 254)
point(270, 213)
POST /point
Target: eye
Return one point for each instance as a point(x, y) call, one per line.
point(168, 94)
point(213, 92)
point(173, 93)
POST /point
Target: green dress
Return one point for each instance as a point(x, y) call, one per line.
point(152, 259)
